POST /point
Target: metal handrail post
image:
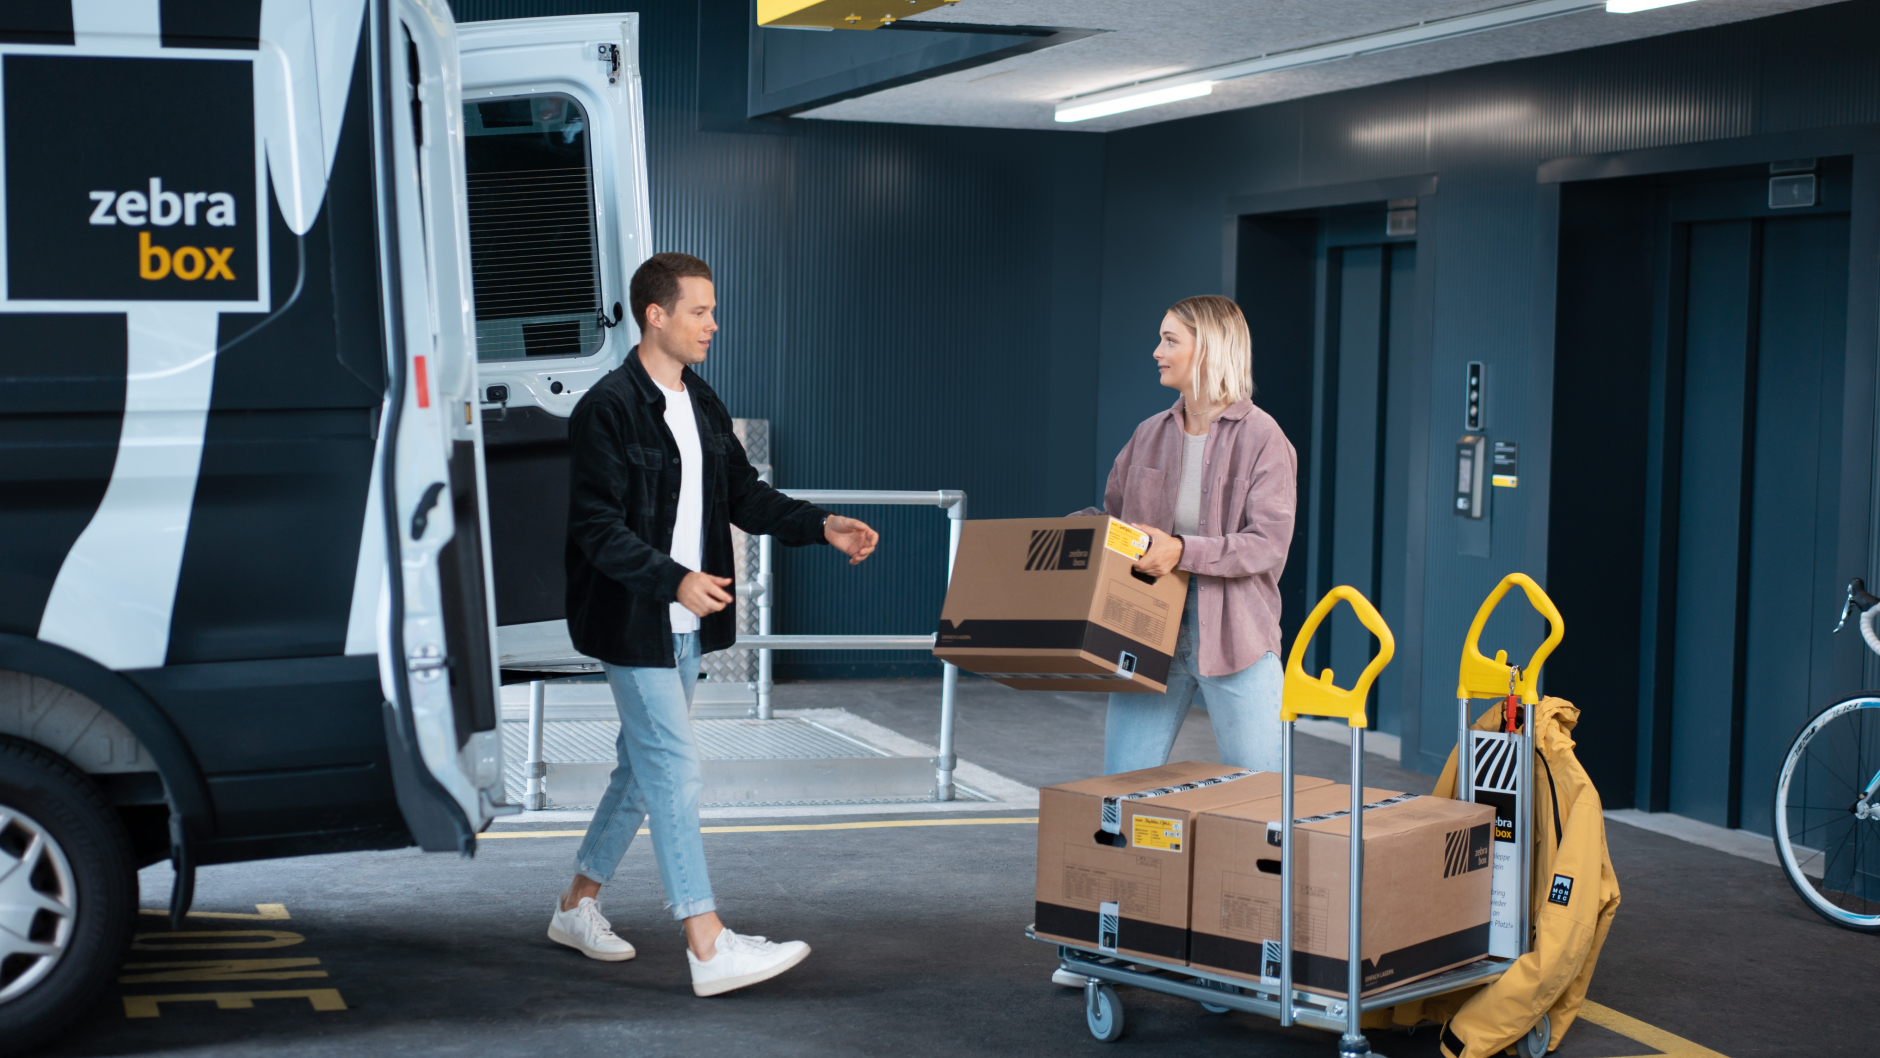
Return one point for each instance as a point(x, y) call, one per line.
point(535, 785)
point(1353, 1043)
point(764, 603)
point(946, 760)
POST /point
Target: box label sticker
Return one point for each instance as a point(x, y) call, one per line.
point(1059, 549)
point(1126, 539)
point(1149, 832)
point(1465, 850)
point(1109, 920)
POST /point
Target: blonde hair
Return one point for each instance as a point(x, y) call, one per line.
point(1223, 364)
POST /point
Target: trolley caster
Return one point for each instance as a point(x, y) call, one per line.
point(1103, 1012)
point(1214, 1008)
point(1534, 1043)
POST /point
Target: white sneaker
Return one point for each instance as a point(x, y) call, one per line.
point(1061, 976)
point(740, 961)
point(587, 931)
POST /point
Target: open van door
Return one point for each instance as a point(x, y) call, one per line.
point(555, 154)
point(435, 628)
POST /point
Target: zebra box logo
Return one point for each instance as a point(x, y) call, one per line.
point(1060, 549)
point(156, 198)
point(1465, 850)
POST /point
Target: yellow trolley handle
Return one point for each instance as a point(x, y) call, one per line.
point(1482, 678)
point(1301, 695)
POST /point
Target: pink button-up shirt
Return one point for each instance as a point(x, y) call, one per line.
point(1248, 493)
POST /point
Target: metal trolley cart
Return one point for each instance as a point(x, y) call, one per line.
point(1306, 696)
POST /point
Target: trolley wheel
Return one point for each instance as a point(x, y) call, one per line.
point(1214, 1008)
point(1534, 1043)
point(1103, 1012)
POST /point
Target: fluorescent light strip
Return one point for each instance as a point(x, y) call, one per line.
point(1626, 7)
point(1150, 98)
point(1201, 82)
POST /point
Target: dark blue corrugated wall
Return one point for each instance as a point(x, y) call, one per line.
point(1482, 132)
point(910, 307)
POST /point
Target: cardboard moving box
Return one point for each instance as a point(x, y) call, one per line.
point(1053, 604)
point(1124, 887)
point(1426, 888)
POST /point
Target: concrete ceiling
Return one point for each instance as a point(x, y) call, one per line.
point(1146, 39)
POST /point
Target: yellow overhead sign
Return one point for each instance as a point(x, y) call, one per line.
point(841, 14)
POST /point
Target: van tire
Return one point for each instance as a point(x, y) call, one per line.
point(65, 806)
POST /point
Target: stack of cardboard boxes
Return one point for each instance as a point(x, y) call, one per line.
point(1180, 864)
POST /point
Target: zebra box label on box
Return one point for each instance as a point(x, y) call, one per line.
point(1055, 604)
point(1426, 888)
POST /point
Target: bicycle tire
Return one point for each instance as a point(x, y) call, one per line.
point(1833, 777)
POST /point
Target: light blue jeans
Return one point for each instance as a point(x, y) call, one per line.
point(1243, 708)
point(658, 778)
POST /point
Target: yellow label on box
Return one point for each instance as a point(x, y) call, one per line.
point(1152, 833)
point(1504, 481)
point(1126, 539)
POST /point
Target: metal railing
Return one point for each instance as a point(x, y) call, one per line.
point(761, 589)
point(953, 501)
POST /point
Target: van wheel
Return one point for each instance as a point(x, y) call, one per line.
point(68, 894)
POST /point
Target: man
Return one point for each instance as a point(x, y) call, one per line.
point(656, 480)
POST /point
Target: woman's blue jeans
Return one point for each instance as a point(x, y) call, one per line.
point(1243, 708)
point(658, 778)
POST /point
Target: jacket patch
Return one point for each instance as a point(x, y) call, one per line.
point(1562, 890)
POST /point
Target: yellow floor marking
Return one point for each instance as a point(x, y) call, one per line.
point(146, 1006)
point(219, 970)
point(264, 913)
point(270, 938)
point(781, 826)
point(1650, 1035)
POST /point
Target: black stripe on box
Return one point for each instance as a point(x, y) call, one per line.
point(1053, 635)
point(1149, 938)
point(1326, 972)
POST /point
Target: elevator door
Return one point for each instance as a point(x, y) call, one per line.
point(1368, 299)
point(1764, 331)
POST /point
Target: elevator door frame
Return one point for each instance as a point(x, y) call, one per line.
point(1857, 548)
point(1248, 265)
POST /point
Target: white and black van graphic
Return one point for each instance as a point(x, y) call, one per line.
point(130, 179)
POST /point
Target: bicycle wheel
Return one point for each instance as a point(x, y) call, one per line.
point(1827, 813)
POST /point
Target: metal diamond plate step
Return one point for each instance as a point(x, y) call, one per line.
point(784, 761)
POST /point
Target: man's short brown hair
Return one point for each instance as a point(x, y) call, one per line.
point(657, 282)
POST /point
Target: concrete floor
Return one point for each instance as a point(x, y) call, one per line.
point(918, 940)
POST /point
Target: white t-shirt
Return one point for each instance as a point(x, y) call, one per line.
point(688, 531)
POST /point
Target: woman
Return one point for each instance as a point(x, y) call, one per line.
point(1211, 480)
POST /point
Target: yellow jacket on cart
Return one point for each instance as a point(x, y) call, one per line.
point(1573, 897)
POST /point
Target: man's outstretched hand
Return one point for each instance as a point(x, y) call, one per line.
point(704, 594)
point(851, 537)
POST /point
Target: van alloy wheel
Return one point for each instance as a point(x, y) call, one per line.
point(38, 903)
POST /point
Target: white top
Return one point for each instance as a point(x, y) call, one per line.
point(688, 531)
point(1188, 496)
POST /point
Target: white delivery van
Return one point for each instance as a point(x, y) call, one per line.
point(295, 299)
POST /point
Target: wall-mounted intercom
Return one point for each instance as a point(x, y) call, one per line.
point(1471, 454)
point(1472, 416)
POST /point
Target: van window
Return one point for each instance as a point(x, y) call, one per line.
point(532, 251)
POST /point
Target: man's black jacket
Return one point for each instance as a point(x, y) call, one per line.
point(623, 499)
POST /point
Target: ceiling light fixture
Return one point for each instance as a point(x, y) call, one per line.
point(1148, 97)
point(1201, 82)
point(1626, 7)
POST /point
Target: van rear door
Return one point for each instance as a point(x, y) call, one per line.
point(554, 147)
point(436, 631)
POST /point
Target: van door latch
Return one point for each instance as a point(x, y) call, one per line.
point(610, 54)
point(426, 663)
